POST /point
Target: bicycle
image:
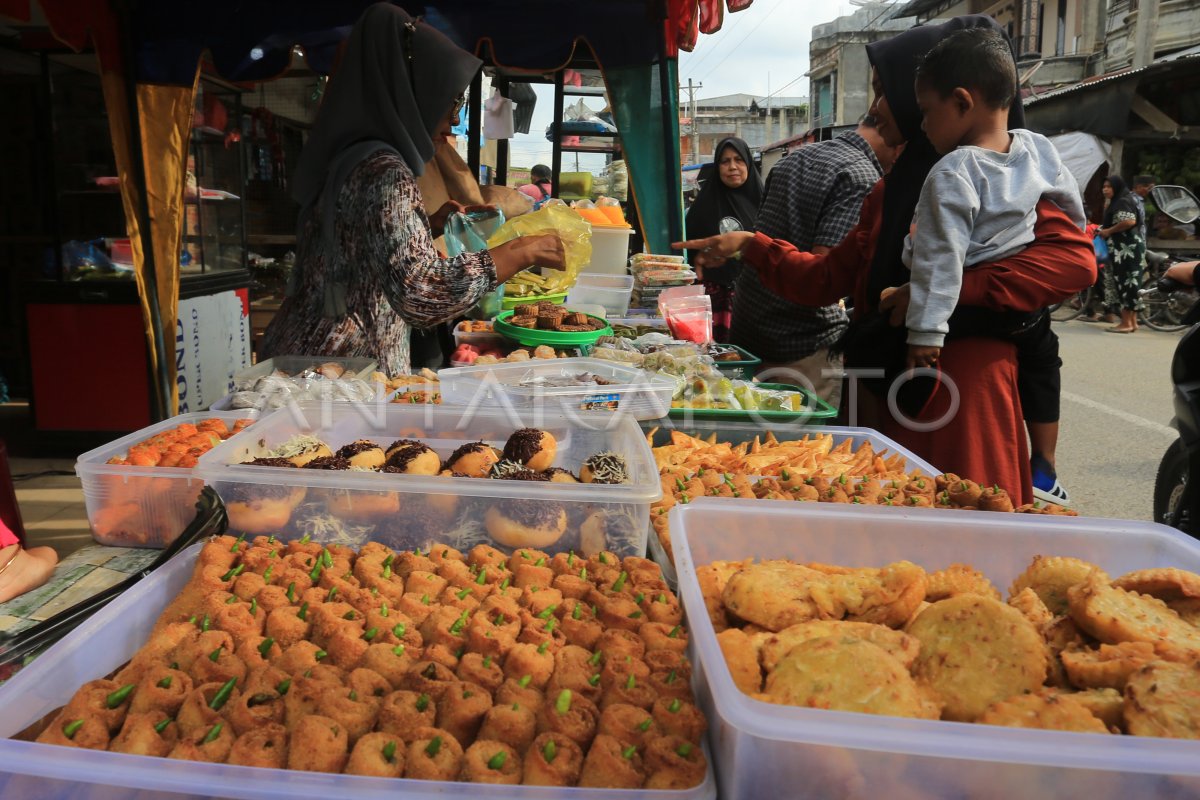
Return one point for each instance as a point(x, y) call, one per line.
point(1163, 307)
point(1072, 307)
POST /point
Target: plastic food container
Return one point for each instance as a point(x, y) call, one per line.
point(407, 511)
point(294, 365)
point(738, 432)
point(765, 749)
point(106, 641)
point(610, 291)
point(477, 338)
point(418, 393)
point(641, 395)
point(130, 506)
point(815, 409)
point(743, 368)
point(610, 249)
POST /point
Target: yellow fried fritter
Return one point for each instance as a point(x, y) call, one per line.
point(1050, 577)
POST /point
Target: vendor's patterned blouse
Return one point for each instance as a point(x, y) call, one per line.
point(395, 277)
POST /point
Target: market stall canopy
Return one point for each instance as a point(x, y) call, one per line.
point(1158, 101)
point(1082, 154)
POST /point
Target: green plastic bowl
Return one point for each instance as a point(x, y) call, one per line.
point(531, 337)
point(816, 411)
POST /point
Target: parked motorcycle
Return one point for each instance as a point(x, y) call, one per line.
point(1176, 494)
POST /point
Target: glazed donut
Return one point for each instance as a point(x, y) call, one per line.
point(607, 467)
point(362, 454)
point(302, 449)
point(359, 506)
point(474, 459)
point(534, 448)
point(255, 509)
point(526, 523)
point(407, 457)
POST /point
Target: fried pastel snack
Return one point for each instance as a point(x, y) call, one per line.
point(433, 755)
point(674, 763)
point(319, 744)
point(1028, 603)
point(975, 651)
point(841, 673)
point(264, 746)
point(958, 579)
point(1050, 577)
point(776, 594)
point(552, 760)
point(139, 736)
point(1107, 705)
point(1107, 667)
point(1166, 583)
point(1046, 711)
point(1161, 700)
point(611, 765)
point(462, 709)
point(776, 646)
point(740, 657)
point(489, 761)
point(1114, 615)
point(512, 723)
point(380, 755)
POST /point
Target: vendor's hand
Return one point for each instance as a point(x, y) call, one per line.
point(714, 251)
point(894, 302)
point(922, 356)
point(437, 220)
point(1184, 272)
point(1103, 233)
point(543, 250)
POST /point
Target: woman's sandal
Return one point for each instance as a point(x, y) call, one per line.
point(1119, 330)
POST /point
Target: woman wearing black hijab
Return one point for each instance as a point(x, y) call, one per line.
point(972, 424)
point(366, 268)
point(1123, 218)
point(728, 201)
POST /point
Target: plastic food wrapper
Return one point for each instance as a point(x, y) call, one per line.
point(469, 232)
point(278, 389)
point(575, 232)
point(675, 292)
point(690, 318)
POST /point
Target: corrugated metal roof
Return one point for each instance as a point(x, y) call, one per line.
point(1129, 73)
point(915, 7)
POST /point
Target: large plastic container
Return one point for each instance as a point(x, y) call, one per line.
point(637, 393)
point(610, 291)
point(765, 750)
point(738, 432)
point(407, 511)
point(106, 641)
point(610, 249)
point(130, 506)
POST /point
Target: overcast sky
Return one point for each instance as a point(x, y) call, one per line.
point(765, 45)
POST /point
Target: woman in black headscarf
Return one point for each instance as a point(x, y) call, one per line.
point(1123, 218)
point(972, 423)
point(728, 201)
point(366, 268)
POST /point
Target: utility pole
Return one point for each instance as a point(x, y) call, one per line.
point(691, 90)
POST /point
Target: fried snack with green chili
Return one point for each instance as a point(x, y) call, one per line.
point(611, 765)
point(105, 700)
point(617, 671)
point(841, 673)
point(1114, 615)
point(616, 644)
point(480, 669)
point(88, 732)
point(403, 712)
point(1047, 711)
point(264, 746)
point(347, 648)
point(628, 724)
point(520, 692)
point(211, 745)
point(552, 760)
point(433, 755)
point(572, 716)
point(663, 636)
point(525, 659)
point(237, 619)
point(286, 626)
point(1108, 666)
point(1161, 700)
point(162, 690)
point(299, 658)
point(1050, 577)
point(202, 646)
point(255, 708)
point(513, 723)
point(462, 709)
point(673, 762)
point(202, 707)
point(431, 678)
point(490, 761)
point(218, 666)
point(140, 735)
point(164, 640)
point(318, 744)
point(379, 755)
point(976, 651)
point(392, 661)
point(354, 712)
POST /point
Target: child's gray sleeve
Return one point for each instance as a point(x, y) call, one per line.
point(946, 212)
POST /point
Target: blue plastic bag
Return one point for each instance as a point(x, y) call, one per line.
point(1100, 245)
point(468, 232)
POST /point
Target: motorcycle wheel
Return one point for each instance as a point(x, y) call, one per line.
point(1171, 487)
point(1162, 312)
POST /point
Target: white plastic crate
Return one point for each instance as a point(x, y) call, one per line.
point(766, 750)
point(612, 292)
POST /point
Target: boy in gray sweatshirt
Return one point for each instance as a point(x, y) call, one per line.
point(977, 206)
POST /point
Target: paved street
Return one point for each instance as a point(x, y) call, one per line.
point(1115, 414)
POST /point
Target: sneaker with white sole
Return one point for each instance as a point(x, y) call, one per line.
point(1045, 482)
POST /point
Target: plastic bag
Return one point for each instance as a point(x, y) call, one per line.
point(498, 117)
point(576, 234)
point(469, 232)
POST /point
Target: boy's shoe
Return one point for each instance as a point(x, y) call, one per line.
point(1045, 482)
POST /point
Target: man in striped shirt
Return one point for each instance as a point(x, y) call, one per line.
point(813, 198)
